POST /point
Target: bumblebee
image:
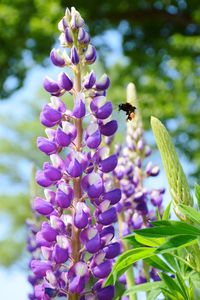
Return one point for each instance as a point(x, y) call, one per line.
point(129, 109)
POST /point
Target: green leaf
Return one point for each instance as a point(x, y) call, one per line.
point(152, 242)
point(145, 287)
point(171, 260)
point(168, 228)
point(195, 279)
point(153, 294)
point(171, 284)
point(183, 286)
point(191, 213)
point(156, 262)
point(197, 193)
point(168, 294)
point(179, 187)
point(132, 241)
point(126, 260)
point(176, 242)
point(167, 212)
point(158, 217)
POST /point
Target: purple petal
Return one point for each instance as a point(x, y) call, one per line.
point(60, 255)
point(42, 207)
point(68, 36)
point(112, 250)
point(105, 111)
point(103, 83)
point(108, 164)
point(80, 218)
point(56, 59)
point(109, 128)
point(51, 85)
point(74, 56)
point(106, 293)
point(46, 146)
point(102, 270)
point(64, 199)
point(79, 109)
point(94, 244)
point(108, 217)
point(64, 81)
point(113, 196)
point(52, 173)
point(40, 268)
point(48, 232)
point(90, 80)
point(90, 55)
point(42, 180)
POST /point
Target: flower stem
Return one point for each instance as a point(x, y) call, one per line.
point(76, 246)
point(129, 273)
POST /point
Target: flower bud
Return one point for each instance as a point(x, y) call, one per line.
point(64, 195)
point(103, 83)
point(46, 146)
point(90, 54)
point(57, 58)
point(40, 267)
point(109, 128)
point(93, 184)
point(64, 81)
point(107, 165)
point(74, 56)
point(42, 207)
point(68, 36)
point(90, 80)
point(93, 136)
point(79, 109)
point(81, 217)
point(51, 85)
point(81, 35)
point(102, 270)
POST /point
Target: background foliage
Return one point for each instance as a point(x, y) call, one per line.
point(160, 41)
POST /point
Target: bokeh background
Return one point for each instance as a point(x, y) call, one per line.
point(155, 44)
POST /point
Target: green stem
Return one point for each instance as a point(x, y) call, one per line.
point(76, 246)
point(129, 273)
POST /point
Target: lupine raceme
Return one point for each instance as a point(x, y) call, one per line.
point(75, 244)
point(139, 201)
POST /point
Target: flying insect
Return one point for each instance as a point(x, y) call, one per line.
point(129, 109)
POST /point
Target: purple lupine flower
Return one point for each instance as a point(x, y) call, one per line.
point(90, 55)
point(64, 81)
point(57, 58)
point(78, 203)
point(90, 80)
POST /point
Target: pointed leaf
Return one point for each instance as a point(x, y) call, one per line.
point(183, 286)
point(151, 242)
point(153, 294)
point(172, 285)
point(197, 193)
point(168, 228)
point(176, 242)
point(166, 213)
point(145, 287)
point(158, 263)
point(191, 213)
point(126, 260)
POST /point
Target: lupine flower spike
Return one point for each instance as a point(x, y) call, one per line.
point(139, 201)
point(75, 242)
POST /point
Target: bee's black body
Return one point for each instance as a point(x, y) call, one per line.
point(128, 108)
